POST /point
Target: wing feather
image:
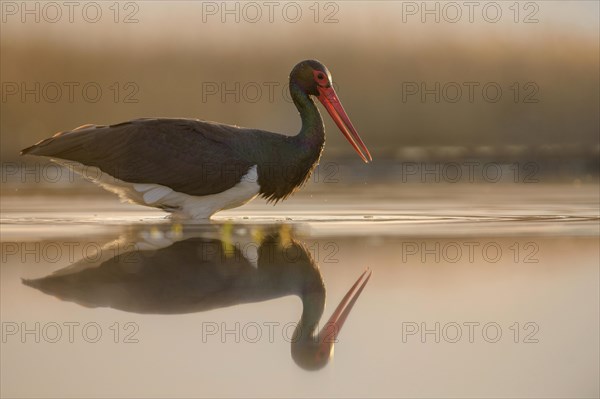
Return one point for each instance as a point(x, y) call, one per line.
point(188, 156)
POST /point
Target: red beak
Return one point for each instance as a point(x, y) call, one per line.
point(332, 103)
point(332, 328)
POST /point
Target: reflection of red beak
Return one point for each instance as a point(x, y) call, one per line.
point(333, 105)
point(332, 328)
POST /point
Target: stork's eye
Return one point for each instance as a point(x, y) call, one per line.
point(321, 78)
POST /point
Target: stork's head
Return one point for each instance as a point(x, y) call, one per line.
point(314, 79)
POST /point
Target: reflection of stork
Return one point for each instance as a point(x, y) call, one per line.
point(198, 274)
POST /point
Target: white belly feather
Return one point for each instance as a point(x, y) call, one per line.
point(180, 204)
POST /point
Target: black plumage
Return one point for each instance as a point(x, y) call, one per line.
point(200, 158)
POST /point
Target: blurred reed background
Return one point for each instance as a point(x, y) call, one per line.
point(179, 56)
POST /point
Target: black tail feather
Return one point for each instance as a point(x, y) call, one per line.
point(32, 149)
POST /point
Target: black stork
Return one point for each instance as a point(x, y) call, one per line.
point(195, 168)
point(197, 272)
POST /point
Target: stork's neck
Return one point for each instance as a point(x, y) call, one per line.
point(312, 131)
point(313, 305)
point(299, 155)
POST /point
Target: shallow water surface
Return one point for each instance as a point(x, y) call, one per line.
point(480, 291)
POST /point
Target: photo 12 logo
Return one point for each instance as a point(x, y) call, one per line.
point(469, 172)
point(470, 92)
point(248, 92)
point(469, 251)
point(69, 92)
point(253, 332)
point(65, 251)
point(471, 332)
point(453, 12)
point(69, 11)
point(53, 332)
point(270, 11)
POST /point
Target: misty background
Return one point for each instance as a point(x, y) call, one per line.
point(403, 74)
